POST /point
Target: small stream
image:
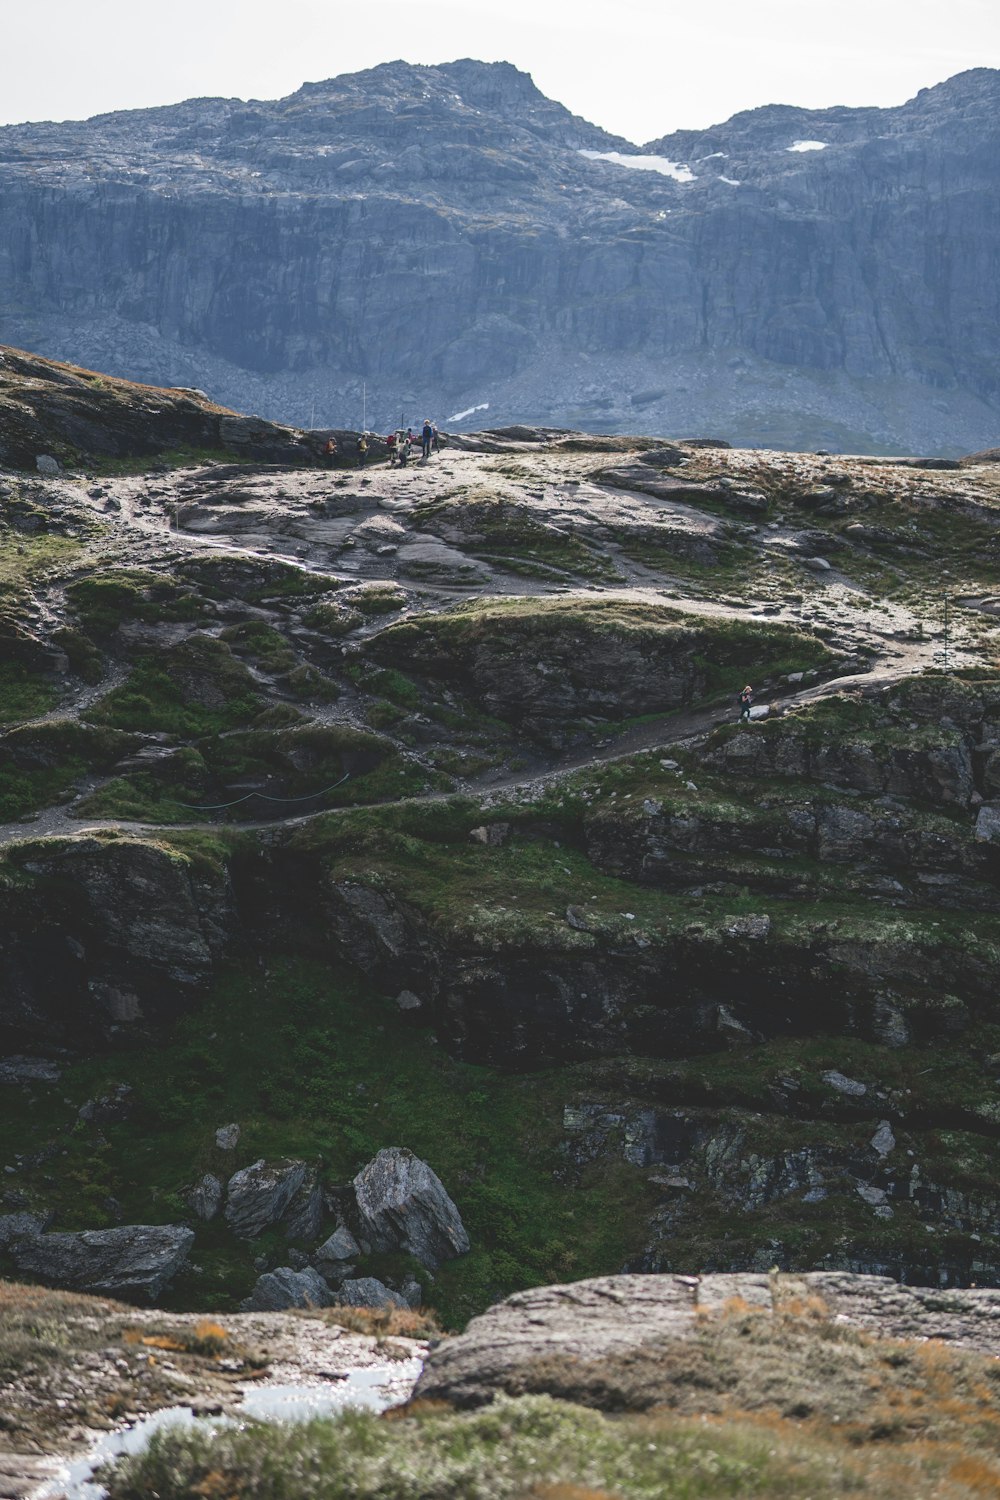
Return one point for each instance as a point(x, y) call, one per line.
point(371, 1389)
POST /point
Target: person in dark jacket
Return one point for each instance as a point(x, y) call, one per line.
point(426, 438)
point(746, 703)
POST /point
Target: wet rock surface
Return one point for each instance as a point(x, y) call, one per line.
point(114, 1364)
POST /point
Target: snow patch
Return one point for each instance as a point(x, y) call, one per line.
point(715, 156)
point(470, 411)
point(807, 146)
point(674, 169)
point(730, 180)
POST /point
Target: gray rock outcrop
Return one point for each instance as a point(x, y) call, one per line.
point(303, 1217)
point(339, 1247)
point(402, 1205)
point(205, 1198)
point(259, 1195)
point(588, 1321)
point(367, 1291)
point(132, 1261)
point(283, 1288)
point(20, 1226)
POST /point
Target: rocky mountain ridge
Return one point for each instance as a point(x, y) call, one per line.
point(451, 238)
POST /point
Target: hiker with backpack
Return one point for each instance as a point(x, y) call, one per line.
point(746, 703)
point(330, 452)
point(362, 451)
point(426, 437)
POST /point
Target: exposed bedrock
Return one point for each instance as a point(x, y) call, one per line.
point(555, 1338)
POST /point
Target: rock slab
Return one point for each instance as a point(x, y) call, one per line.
point(131, 1261)
point(590, 1320)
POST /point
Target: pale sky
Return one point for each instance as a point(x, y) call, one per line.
point(640, 68)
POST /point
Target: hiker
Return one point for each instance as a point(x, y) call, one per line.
point(330, 452)
point(390, 448)
point(426, 437)
point(436, 439)
point(402, 448)
point(362, 451)
point(746, 703)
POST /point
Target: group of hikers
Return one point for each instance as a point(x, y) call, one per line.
point(398, 444)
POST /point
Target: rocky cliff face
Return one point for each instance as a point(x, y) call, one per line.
point(451, 237)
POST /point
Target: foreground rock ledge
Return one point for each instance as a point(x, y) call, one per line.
point(589, 1320)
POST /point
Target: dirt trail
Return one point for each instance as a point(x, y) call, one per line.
point(664, 734)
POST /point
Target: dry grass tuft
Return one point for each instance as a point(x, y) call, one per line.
point(385, 1322)
point(568, 1492)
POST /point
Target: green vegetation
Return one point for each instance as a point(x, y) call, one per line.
point(321, 1065)
point(107, 600)
point(40, 763)
point(193, 689)
point(334, 620)
point(142, 463)
point(603, 655)
point(378, 598)
point(336, 764)
point(24, 694)
point(264, 645)
point(255, 580)
point(533, 1449)
point(141, 798)
point(27, 558)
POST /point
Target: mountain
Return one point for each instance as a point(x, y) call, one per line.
point(449, 237)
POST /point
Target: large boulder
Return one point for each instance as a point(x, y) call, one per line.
point(131, 1261)
point(303, 1219)
point(402, 1205)
point(367, 1291)
point(259, 1195)
point(539, 1335)
point(278, 1290)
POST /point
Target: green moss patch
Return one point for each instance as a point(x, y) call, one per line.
point(107, 600)
point(193, 689)
point(24, 694)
